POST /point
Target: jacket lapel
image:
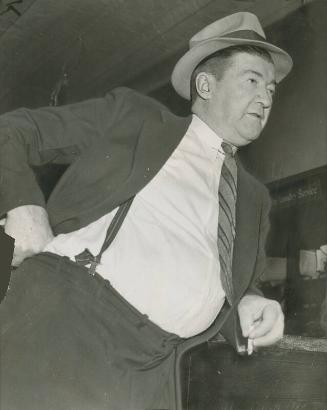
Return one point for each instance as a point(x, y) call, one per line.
point(247, 227)
point(158, 138)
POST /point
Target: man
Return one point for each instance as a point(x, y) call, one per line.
point(110, 334)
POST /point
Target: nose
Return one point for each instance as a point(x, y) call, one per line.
point(264, 97)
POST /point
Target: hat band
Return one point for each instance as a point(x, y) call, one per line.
point(245, 34)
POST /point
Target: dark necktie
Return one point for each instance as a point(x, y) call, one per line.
point(226, 225)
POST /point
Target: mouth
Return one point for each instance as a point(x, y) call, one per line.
point(256, 115)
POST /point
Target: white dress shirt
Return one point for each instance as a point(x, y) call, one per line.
point(164, 260)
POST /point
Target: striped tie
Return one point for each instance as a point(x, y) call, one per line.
point(226, 225)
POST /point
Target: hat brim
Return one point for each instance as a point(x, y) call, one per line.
point(181, 75)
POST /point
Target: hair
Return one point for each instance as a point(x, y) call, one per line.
point(217, 62)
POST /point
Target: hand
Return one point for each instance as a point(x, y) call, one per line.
point(29, 226)
point(261, 319)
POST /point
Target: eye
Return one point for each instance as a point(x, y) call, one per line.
point(271, 91)
point(252, 80)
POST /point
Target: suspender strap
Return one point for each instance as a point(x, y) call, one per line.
point(115, 225)
point(86, 257)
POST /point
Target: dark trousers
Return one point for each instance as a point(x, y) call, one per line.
point(69, 341)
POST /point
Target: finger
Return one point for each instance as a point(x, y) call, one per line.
point(269, 317)
point(19, 255)
point(275, 334)
point(16, 261)
point(246, 321)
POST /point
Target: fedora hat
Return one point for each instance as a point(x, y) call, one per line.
point(235, 29)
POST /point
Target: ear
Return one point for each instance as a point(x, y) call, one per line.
point(204, 83)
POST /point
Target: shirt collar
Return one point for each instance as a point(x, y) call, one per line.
point(210, 141)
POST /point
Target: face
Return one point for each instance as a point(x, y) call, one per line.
point(239, 104)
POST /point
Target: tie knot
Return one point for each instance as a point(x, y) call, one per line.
point(227, 148)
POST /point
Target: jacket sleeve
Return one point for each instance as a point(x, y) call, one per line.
point(231, 329)
point(51, 134)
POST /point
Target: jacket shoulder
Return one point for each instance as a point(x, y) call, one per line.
point(132, 100)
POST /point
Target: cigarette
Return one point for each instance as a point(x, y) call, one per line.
point(250, 341)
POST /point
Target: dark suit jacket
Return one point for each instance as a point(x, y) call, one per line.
point(115, 146)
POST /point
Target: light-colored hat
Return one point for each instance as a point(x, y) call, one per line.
point(236, 29)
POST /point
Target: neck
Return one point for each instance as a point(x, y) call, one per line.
point(200, 111)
